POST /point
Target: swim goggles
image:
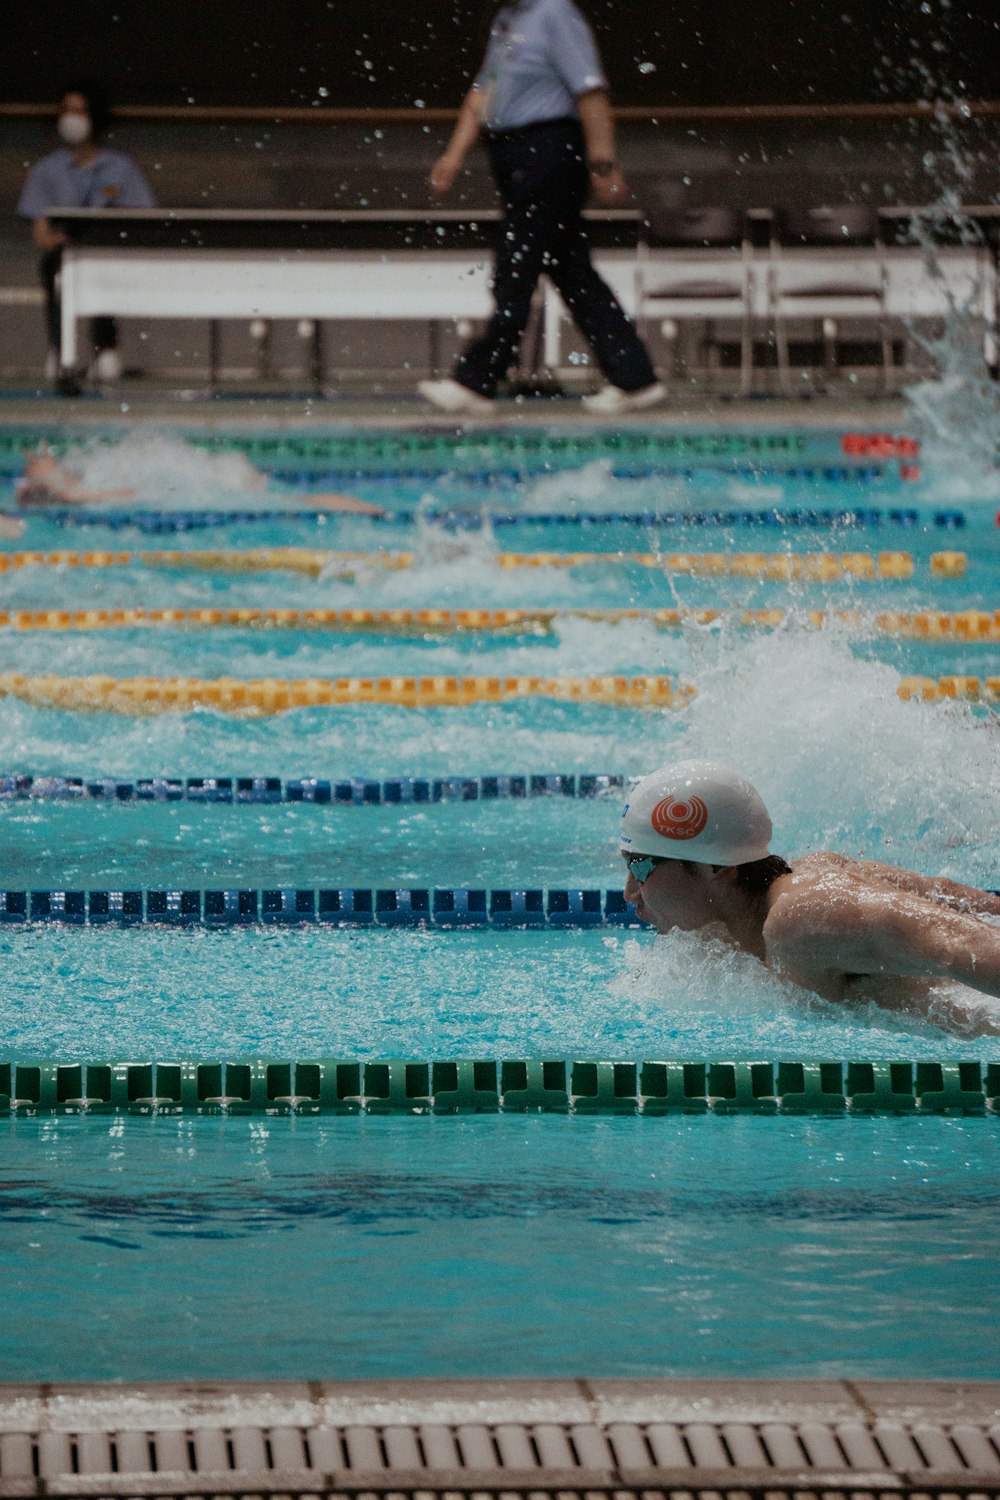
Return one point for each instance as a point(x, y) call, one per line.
point(641, 866)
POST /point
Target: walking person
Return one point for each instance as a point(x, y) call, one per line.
point(540, 104)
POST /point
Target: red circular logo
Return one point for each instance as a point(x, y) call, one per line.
point(675, 819)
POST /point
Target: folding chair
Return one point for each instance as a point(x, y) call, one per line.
point(696, 266)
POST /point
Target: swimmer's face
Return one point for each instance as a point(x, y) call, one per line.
point(674, 895)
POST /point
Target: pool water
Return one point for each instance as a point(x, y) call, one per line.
point(547, 1245)
point(494, 1245)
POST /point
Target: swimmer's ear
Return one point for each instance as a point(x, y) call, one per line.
point(725, 874)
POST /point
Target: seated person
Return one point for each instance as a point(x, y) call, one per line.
point(695, 838)
point(80, 174)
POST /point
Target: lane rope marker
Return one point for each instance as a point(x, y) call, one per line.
point(313, 562)
point(144, 696)
point(141, 696)
point(420, 1086)
point(926, 624)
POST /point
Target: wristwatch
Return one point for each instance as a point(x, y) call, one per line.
point(601, 168)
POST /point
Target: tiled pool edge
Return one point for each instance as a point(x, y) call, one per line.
point(620, 1438)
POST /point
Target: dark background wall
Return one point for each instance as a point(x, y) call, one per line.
point(393, 53)
point(316, 55)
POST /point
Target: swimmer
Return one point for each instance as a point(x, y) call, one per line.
point(695, 838)
point(47, 482)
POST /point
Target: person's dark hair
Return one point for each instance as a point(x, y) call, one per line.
point(756, 875)
point(98, 103)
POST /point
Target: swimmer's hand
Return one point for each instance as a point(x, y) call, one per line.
point(349, 503)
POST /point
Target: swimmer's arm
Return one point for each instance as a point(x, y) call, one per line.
point(949, 893)
point(349, 503)
point(74, 496)
point(821, 936)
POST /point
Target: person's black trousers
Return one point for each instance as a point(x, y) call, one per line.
point(103, 331)
point(543, 178)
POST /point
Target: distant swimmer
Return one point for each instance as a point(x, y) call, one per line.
point(45, 482)
point(695, 838)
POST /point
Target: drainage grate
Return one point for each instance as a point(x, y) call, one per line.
point(427, 1439)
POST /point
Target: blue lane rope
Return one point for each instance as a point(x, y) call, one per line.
point(288, 906)
point(867, 518)
point(354, 791)
point(478, 1085)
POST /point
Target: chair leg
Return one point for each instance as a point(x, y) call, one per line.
point(886, 342)
point(669, 331)
point(746, 353)
point(781, 348)
point(831, 364)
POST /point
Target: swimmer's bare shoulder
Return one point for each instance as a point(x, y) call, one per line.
point(811, 912)
point(840, 926)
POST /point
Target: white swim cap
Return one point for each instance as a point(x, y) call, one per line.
point(701, 810)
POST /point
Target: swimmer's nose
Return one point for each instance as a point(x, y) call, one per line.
point(632, 888)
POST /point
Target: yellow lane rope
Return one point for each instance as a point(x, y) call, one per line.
point(145, 696)
point(937, 689)
point(141, 696)
point(811, 566)
point(927, 624)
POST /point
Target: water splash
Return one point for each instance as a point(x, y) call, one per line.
point(166, 471)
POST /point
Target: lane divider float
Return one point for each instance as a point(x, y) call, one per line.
point(792, 518)
point(289, 906)
point(354, 791)
point(312, 562)
point(926, 624)
point(421, 1086)
point(141, 696)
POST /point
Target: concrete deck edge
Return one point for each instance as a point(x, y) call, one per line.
point(125, 1406)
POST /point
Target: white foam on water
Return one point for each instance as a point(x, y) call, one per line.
point(708, 992)
point(166, 471)
point(757, 494)
point(594, 489)
point(841, 761)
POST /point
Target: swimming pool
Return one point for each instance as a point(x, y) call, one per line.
point(490, 1244)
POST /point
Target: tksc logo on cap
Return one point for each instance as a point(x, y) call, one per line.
point(676, 819)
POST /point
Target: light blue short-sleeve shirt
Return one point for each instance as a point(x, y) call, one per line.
point(541, 56)
point(112, 180)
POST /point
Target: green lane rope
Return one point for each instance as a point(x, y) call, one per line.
point(345, 1086)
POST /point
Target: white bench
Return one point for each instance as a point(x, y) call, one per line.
point(212, 264)
point(435, 266)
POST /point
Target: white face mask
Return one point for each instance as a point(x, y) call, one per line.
point(74, 127)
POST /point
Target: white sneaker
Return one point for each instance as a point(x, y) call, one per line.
point(611, 399)
point(451, 396)
point(107, 367)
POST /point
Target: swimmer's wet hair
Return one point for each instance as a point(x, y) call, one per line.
point(756, 875)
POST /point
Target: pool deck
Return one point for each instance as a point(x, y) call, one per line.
point(626, 1439)
point(139, 405)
